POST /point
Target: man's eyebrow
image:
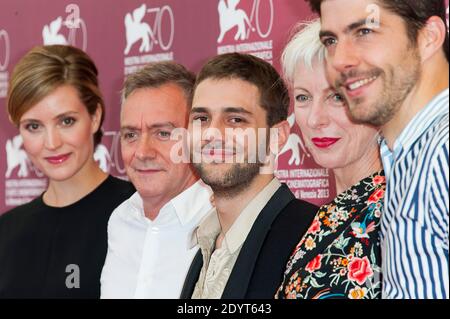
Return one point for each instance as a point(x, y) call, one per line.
point(326, 33)
point(150, 127)
point(129, 128)
point(237, 110)
point(161, 125)
point(355, 25)
point(199, 110)
point(230, 109)
point(351, 27)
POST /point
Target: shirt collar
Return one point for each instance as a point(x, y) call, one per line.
point(415, 128)
point(206, 233)
point(387, 158)
point(185, 206)
point(422, 121)
point(137, 205)
point(209, 228)
point(191, 202)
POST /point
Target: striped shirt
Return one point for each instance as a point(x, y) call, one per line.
point(414, 225)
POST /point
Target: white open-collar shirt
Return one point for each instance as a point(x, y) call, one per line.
point(150, 259)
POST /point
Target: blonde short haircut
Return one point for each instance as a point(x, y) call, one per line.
point(303, 47)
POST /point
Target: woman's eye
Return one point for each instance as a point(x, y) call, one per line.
point(31, 127)
point(68, 121)
point(302, 98)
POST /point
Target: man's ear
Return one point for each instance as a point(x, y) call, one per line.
point(278, 140)
point(431, 37)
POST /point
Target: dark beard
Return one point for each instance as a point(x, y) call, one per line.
point(391, 100)
point(398, 84)
point(233, 182)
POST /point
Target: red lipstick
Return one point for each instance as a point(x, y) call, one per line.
point(324, 142)
point(58, 159)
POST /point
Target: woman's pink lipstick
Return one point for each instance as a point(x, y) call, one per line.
point(324, 142)
point(58, 159)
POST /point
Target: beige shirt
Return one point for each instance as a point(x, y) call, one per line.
point(218, 263)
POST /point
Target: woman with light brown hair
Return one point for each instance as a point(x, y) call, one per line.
point(55, 246)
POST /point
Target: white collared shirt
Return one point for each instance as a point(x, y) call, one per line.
point(150, 259)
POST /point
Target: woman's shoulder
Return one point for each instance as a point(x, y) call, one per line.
point(374, 181)
point(115, 190)
point(118, 185)
point(22, 212)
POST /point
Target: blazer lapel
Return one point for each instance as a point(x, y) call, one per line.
point(237, 285)
point(192, 276)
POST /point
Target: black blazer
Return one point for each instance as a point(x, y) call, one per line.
point(259, 268)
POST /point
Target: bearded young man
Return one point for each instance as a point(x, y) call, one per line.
point(247, 239)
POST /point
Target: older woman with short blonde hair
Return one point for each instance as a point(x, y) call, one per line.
point(339, 256)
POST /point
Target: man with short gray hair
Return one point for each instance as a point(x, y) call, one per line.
point(149, 234)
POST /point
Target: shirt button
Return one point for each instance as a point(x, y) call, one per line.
point(155, 229)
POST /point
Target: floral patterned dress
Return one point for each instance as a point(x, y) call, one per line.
point(339, 256)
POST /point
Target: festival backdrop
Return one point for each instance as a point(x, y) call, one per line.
point(122, 36)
